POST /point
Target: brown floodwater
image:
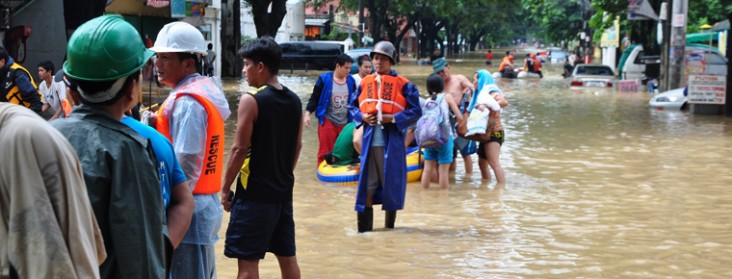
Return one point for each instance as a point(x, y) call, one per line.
point(598, 186)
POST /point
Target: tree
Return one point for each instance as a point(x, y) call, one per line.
point(556, 20)
point(492, 29)
point(267, 22)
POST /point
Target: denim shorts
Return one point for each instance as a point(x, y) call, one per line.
point(442, 154)
point(258, 228)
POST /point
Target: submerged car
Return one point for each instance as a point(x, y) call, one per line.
point(557, 55)
point(669, 100)
point(591, 76)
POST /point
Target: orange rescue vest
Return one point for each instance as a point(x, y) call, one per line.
point(213, 161)
point(390, 94)
point(66, 107)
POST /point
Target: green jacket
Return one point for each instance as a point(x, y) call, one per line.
point(124, 190)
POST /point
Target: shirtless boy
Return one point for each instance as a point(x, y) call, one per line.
point(458, 86)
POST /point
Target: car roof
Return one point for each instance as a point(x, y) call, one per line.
point(359, 50)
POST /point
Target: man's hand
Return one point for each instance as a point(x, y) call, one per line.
point(306, 119)
point(226, 198)
point(369, 119)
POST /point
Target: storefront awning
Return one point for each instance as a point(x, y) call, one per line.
point(316, 21)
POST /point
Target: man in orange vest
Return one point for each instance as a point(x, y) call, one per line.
point(192, 117)
point(388, 104)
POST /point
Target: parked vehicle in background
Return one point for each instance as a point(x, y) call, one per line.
point(355, 54)
point(669, 100)
point(699, 59)
point(309, 55)
point(591, 76)
point(557, 55)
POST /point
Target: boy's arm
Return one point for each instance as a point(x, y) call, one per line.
point(453, 107)
point(353, 108)
point(313, 101)
point(246, 115)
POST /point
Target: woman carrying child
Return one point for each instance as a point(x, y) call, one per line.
point(488, 94)
point(440, 155)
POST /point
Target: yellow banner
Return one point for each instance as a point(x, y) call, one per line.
point(611, 36)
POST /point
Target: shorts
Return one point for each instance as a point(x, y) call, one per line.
point(465, 146)
point(442, 154)
point(375, 173)
point(258, 228)
point(496, 136)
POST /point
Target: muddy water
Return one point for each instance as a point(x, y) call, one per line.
point(599, 186)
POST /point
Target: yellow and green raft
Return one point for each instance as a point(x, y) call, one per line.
point(348, 174)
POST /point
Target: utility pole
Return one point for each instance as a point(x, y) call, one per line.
point(666, 17)
point(360, 23)
point(678, 44)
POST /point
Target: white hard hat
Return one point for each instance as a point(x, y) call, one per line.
point(180, 37)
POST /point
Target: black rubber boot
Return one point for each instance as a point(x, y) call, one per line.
point(390, 219)
point(366, 220)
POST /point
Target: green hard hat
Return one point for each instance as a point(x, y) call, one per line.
point(105, 48)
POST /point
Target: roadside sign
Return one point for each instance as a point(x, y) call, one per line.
point(704, 89)
point(627, 86)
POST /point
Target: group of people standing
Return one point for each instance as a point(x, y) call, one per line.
point(98, 194)
point(374, 127)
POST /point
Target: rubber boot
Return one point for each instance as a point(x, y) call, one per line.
point(366, 220)
point(390, 219)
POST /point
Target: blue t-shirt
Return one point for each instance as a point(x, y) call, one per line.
point(169, 169)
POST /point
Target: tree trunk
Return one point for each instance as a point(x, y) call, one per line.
point(237, 63)
point(430, 27)
point(728, 96)
point(374, 27)
point(266, 22)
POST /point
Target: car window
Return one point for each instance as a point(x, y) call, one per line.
point(638, 58)
point(594, 70)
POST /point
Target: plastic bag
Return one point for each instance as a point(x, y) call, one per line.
point(477, 122)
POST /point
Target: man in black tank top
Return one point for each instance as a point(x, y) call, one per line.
point(265, 151)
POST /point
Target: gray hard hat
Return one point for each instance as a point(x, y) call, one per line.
point(385, 48)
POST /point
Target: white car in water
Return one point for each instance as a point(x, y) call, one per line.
point(669, 100)
point(591, 76)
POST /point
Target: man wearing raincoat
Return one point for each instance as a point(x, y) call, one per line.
point(387, 104)
point(105, 56)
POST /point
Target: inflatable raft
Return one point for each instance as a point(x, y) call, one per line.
point(348, 175)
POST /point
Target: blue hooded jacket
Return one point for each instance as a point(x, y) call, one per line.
point(325, 84)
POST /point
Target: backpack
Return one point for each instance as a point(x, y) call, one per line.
point(433, 128)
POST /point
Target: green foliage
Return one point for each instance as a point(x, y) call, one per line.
point(334, 35)
point(245, 40)
point(500, 21)
point(553, 20)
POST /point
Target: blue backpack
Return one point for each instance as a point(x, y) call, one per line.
point(433, 128)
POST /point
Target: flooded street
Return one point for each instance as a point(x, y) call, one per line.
point(599, 186)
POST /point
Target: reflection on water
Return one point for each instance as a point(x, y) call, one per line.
point(599, 186)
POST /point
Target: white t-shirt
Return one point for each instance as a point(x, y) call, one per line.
point(54, 94)
point(357, 77)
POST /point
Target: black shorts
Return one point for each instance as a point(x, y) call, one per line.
point(258, 228)
point(496, 136)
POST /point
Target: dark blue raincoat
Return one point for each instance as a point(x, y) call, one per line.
point(391, 195)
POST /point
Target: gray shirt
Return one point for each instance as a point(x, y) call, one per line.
point(337, 110)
